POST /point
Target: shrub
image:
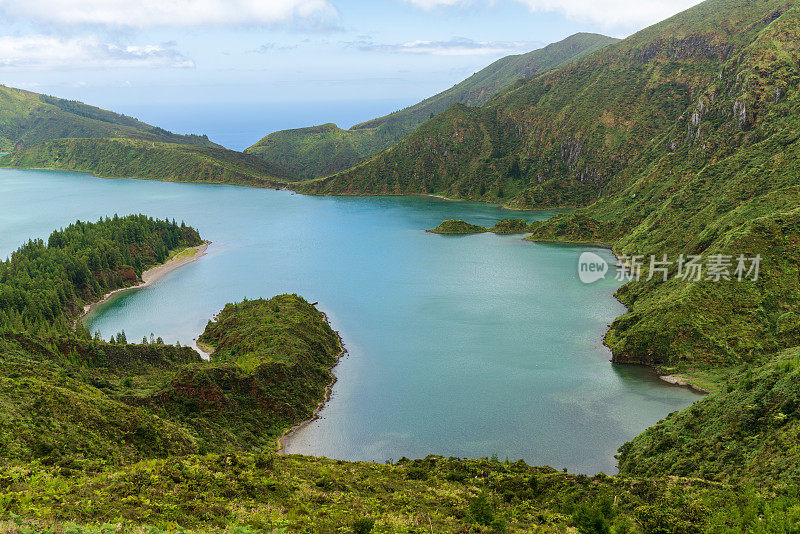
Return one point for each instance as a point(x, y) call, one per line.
point(363, 525)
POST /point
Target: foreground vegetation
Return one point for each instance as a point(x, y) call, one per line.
point(98, 436)
point(264, 493)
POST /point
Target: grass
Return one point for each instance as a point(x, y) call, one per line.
point(28, 119)
point(186, 252)
point(123, 158)
point(264, 493)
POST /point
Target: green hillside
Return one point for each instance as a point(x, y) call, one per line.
point(327, 149)
point(750, 429)
point(559, 139)
point(73, 399)
point(677, 140)
point(28, 118)
point(119, 158)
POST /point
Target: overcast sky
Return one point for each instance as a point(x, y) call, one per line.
point(107, 51)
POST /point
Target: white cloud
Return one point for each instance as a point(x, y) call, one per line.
point(171, 13)
point(457, 46)
point(614, 12)
point(48, 52)
point(433, 4)
point(609, 13)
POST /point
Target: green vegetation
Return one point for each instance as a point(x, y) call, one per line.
point(317, 150)
point(750, 429)
point(179, 253)
point(678, 140)
point(327, 149)
point(456, 226)
point(44, 287)
point(119, 158)
point(28, 118)
point(502, 227)
point(263, 493)
point(510, 226)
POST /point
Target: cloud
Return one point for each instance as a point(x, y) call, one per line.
point(271, 47)
point(612, 13)
point(458, 46)
point(433, 4)
point(608, 13)
point(48, 52)
point(172, 13)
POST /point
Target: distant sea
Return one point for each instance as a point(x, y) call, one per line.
point(240, 125)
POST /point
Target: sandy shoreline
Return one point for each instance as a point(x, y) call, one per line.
point(678, 380)
point(287, 434)
point(151, 275)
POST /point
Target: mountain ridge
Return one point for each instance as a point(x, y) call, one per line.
point(28, 118)
point(326, 149)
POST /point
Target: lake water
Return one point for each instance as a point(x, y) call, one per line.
point(465, 346)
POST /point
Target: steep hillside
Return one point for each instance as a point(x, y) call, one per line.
point(326, 149)
point(721, 181)
point(28, 118)
point(678, 140)
point(559, 139)
point(119, 158)
point(750, 430)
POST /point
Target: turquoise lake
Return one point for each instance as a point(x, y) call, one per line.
point(460, 346)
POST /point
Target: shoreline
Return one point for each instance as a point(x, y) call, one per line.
point(676, 381)
point(279, 185)
point(291, 431)
point(150, 275)
point(682, 381)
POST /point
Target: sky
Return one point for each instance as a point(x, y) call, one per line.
point(122, 54)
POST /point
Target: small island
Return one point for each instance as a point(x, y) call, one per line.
point(458, 227)
point(510, 226)
point(503, 227)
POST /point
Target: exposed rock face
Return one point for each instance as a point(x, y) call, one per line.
point(740, 113)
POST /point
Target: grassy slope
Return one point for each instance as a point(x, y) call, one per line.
point(731, 186)
point(751, 429)
point(28, 118)
point(326, 149)
point(147, 159)
point(261, 493)
point(86, 403)
point(559, 139)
